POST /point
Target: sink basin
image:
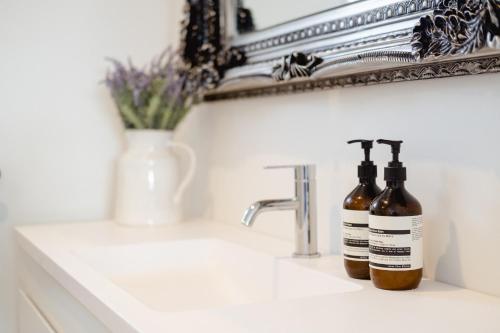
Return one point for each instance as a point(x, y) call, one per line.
point(206, 273)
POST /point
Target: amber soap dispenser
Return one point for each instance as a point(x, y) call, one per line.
point(395, 238)
point(355, 216)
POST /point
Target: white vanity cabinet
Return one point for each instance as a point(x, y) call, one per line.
point(30, 318)
point(208, 277)
point(45, 306)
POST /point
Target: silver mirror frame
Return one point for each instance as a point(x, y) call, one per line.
point(363, 43)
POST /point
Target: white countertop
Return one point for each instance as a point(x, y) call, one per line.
point(433, 307)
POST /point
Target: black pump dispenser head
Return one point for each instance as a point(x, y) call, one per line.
point(395, 171)
point(366, 170)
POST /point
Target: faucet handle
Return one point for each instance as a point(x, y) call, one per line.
point(303, 172)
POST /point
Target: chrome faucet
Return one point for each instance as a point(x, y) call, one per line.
point(304, 204)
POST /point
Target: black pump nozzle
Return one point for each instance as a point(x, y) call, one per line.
point(366, 170)
point(395, 170)
point(395, 148)
point(367, 145)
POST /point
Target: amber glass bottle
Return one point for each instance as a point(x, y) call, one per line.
point(395, 240)
point(355, 217)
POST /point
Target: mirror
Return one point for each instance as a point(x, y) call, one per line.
point(245, 48)
point(262, 13)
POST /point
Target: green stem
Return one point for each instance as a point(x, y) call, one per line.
point(165, 118)
point(130, 116)
point(176, 118)
point(152, 109)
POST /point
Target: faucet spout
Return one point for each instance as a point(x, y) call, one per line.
point(304, 205)
point(258, 207)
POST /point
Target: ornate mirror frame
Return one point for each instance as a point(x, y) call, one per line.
point(366, 42)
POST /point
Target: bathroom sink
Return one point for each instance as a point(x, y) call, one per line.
point(200, 274)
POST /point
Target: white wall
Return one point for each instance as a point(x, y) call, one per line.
point(59, 134)
point(451, 131)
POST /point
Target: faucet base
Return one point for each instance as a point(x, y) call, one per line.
point(301, 256)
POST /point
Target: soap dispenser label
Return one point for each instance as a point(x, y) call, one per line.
point(395, 242)
point(355, 234)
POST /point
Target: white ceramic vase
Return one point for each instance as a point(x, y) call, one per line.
point(148, 185)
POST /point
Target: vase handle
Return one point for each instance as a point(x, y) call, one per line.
point(190, 172)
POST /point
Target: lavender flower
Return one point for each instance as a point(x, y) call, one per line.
point(155, 97)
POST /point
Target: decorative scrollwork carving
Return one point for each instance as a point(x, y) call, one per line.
point(458, 27)
point(202, 48)
point(416, 72)
point(343, 24)
point(244, 18)
point(295, 65)
point(453, 27)
point(232, 57)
